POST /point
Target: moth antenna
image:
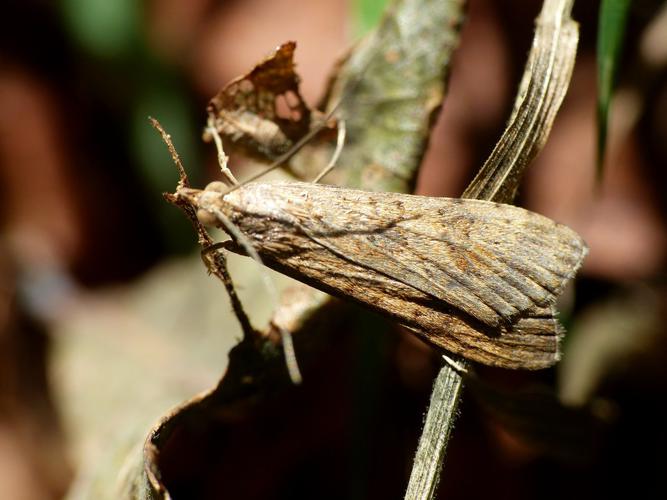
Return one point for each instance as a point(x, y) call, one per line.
point(183, 177)
point(340, 142)
point(285, 336)
point(229, 178)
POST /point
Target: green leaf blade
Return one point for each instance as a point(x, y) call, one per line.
point(611, 30)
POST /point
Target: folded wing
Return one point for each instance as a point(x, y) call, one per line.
point(495, 262)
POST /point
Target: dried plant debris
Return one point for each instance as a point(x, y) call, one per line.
point(263, 112)
point(389, 91)
point(622, 338)
point(545, 81)
point(477, 278)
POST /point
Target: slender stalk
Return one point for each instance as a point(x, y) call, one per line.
point(546, 79)
point(438, 426)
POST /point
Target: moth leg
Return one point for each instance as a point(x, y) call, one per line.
point(340, 142)
point(456, 366)
point(228, 177)
point(214, 248)
point(285, 336)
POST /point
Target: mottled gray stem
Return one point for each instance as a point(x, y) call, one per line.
point(435, 436)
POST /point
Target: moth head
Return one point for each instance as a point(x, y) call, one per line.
point(206, 201)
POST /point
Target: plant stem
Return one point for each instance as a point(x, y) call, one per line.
point(545, 82)
point(438, 426)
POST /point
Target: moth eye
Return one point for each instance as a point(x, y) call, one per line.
point(217, 186)
point(206, 217)
point(208, 199)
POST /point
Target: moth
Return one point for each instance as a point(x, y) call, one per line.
point(476, 278)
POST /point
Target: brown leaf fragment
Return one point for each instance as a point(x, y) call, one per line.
point(263, 112)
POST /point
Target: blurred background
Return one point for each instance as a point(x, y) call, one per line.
point(107, 317)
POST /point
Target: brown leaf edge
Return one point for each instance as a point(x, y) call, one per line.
point(253, 375)
point(263, 112)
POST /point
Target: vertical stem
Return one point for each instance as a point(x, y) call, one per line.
point(546, 79)
point(438, 426)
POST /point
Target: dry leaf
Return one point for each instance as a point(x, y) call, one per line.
point(263, 111)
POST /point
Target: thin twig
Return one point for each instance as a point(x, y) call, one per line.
point(435, 436)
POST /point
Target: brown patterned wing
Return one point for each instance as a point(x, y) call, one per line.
point(495, 262)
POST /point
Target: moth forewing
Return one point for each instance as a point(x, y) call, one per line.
point(474, 277)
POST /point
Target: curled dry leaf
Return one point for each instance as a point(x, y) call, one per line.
point(263, 111)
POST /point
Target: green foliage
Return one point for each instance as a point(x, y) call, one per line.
point(101, 27)
point(367, 14)
point(611, 30)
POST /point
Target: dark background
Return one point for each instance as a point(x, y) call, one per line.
point(81, 177)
